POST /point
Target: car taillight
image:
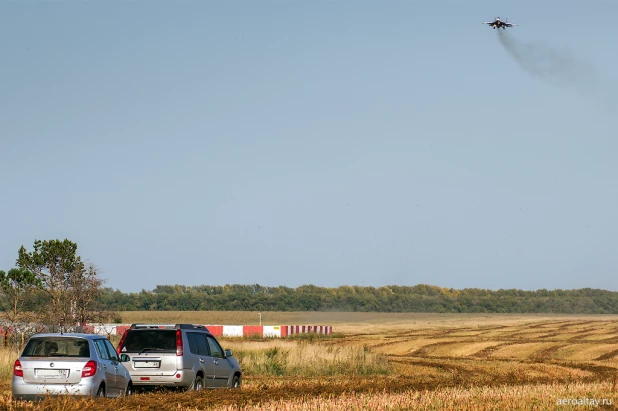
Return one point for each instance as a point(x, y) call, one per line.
point(179, 347)
point(121, 343)
point(18, 371)
point(89, 369)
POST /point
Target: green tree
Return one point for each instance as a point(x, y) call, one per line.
point(85, 290)
point(16, 285)
point(72, 287)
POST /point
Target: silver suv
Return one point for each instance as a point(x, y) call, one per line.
point(177, 355)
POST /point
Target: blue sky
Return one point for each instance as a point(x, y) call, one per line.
point(322, 142)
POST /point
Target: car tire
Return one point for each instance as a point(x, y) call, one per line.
point(198, 384)
point(236, 382)
point(101, 392)
point(129, 390)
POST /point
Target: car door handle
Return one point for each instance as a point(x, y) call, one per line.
point(216, 362)
point(201, 360)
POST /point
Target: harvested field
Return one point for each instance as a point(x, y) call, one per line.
point(397, 361)
point(584, 352)
point(457, 349)
point(521, 351)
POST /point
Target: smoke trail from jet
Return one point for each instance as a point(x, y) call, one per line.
point(550, 65)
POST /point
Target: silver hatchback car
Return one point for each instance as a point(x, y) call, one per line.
point(69, 364)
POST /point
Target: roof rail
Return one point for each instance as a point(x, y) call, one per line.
point(134, 326)
point(173, 326)
point(192, 326)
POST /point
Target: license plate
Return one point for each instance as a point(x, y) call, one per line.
point(147, 364)
point(48, 373)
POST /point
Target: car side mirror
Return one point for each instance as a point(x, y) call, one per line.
point(228, 353)
point(125, 358)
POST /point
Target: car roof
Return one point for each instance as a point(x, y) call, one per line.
point(69, 335)
point(178, 326)
point(197, 330)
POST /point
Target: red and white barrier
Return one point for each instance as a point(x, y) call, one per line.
point(305, 329)
point(271, 331)
point(263, 331)
point(105, 329)
point(267, 331)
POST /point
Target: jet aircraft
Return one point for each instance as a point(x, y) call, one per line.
point(499, 23)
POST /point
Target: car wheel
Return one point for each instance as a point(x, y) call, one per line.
point(236, 382)
point(101, 392)
point(129, 390)
point(197, 385)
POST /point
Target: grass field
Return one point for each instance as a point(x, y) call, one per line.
point(395, 361)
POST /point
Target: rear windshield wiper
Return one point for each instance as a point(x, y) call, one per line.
point(152, 349)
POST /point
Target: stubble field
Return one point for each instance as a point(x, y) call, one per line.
point(385, 361)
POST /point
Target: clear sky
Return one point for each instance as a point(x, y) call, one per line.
point(314, 142)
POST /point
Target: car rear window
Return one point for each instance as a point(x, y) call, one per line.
point(138, 341)
point(57, 347)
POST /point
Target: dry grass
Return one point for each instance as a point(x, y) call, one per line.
point(403, 346)
point(584, 352)
point(8, 355)
point(315, 395)
point(282, 357)
point(457, 349)
point(603, 336)
point(394, 361)
point(354, 319)
point(521, 351)
point(213, 317)
point(535, 397)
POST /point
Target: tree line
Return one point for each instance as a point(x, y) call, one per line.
point(51, 285)
point(418, 298)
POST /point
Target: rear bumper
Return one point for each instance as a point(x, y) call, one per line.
point(185, 380)
point(26, 391)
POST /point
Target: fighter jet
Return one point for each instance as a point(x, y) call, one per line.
point(498, 23)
